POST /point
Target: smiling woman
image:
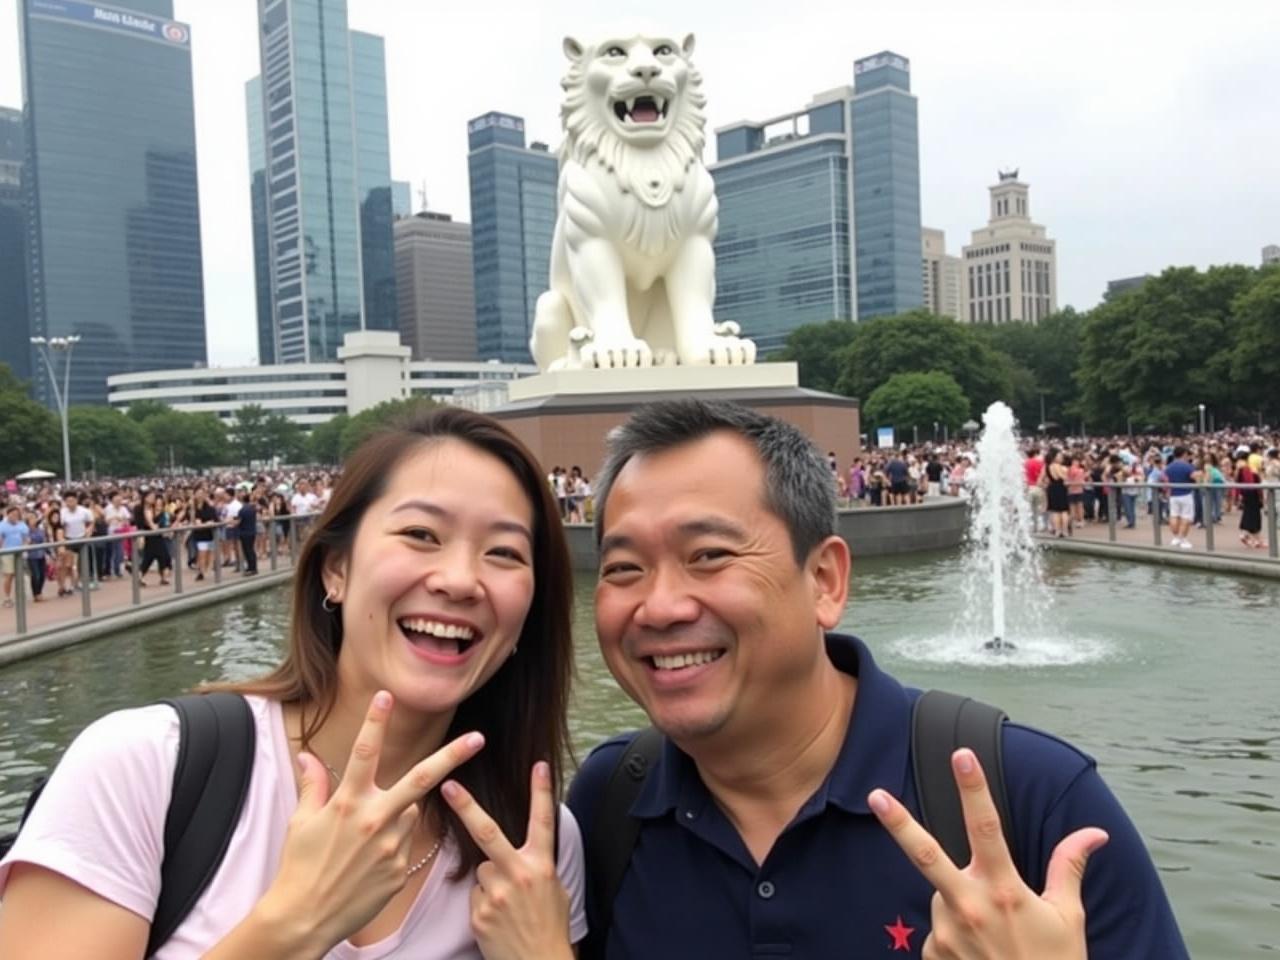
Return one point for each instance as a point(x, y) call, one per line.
point(430, 638)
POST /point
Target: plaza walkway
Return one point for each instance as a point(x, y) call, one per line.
point(1226, 539)
point(116, 596)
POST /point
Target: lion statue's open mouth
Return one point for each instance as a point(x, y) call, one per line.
point(632, 266)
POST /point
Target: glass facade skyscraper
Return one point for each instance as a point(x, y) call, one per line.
point(111, 189)
point(15, 321)
point(328, 182)
point(782, 251)
point(261, 230)
point(886, 187)
point(820, 209)
point(513, 214)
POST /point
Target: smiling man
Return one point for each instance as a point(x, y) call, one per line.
point(778, 818)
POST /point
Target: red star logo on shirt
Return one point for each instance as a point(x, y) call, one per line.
point(901, 935)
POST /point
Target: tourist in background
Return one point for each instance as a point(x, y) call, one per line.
point(14, 532)
point(146, 519)
point(1250, 504)
point(1032, 468)
point(1075, 490)
point(117, 515)
point(100, 569)
point(206, 517)
point(246, 528)
point(1057, 500)
point(77, 524)
point(64, 563)
point(1180, 474)
point(37, 560)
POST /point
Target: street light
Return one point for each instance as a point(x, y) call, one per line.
point(1201, 418)
point(61, 345)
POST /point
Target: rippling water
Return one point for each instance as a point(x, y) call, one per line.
point(1168, 677)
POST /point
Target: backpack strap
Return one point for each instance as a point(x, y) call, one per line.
point(614, 833)
point(210, 783)
point(941, 723)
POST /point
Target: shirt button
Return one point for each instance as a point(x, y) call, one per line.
point(690, 815)
point(765, 889)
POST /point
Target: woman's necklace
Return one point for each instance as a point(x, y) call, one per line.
point(431, 854)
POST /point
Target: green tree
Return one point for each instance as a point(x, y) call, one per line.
point(194, 440)
point(326, 439)
point(1048, 353)
point(108, 443)
point(909, 400)
point(32, 433)
point(250, 433)
point(918, 342)
point(142, 410)
point(364, 424)
point(285, 439)
point(1156, 353)
point(9, 382)
point(1255, 357)
point(817, 349)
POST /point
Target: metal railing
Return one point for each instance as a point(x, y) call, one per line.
point(174, 540)
point(1210, 503)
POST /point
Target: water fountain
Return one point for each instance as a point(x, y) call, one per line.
point(1001, 546)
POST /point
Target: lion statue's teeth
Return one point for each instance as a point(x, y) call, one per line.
point(632, 266)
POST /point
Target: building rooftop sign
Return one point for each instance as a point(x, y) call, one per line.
point(115, 19)
point(885, 59)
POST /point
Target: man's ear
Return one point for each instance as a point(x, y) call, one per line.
point(828, 567)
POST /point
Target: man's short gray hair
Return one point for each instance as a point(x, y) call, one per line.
point(798, 487)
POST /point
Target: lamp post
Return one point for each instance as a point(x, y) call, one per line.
point(1201, 418)
point(61, 345)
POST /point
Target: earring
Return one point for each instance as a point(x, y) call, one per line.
point(329, 603)
point(514, 649)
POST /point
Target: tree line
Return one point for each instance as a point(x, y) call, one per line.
point(1142, 361)
point(151, 436)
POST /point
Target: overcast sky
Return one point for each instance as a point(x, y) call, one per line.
point(1148, 131)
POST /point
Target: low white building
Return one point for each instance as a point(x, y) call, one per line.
point(1270, 254)
point(372, 367)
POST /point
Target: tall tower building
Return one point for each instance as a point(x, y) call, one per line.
point(111, 189)
point(261, 222)
point(15, 320)
point(886, 186)
point(322, 107)
point(941, 276)
point(434, 287)
point(818, 206)
point(1011, 266)
point(513, 214)
point(783, 257)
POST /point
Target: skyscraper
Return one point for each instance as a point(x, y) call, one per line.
point(323, 112)
point(401, 198)
point(261, 228)
point(886, 186)
point(818, 206)
point(782, 251)
point(513, 213)
point(941, 276)
point(110, 179)
point(15, 322)
point(1011, 266)
point(433, 284)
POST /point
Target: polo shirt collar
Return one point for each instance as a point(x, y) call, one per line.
point(874, 753)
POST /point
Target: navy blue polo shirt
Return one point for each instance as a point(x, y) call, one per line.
point(835, 883)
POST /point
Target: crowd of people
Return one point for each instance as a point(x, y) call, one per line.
point(1070, 483)
point(227, 519)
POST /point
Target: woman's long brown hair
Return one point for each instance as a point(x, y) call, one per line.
point(522, 710)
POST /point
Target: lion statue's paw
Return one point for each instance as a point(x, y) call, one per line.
point(629, 352)
point(721, 350)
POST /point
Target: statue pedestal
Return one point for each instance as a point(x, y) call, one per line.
point(564, 416)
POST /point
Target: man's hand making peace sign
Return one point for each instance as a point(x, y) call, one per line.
point(985, 911)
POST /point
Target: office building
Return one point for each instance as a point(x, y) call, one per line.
point(1270, 254)
point(783, 257)
point(261, 229)
point(1117, 287)
point(433, 284)
point(1011, 266)
point(323, 111)
point(941, 276)
point(886, 187)
point(15, 321)
point(797, 190)
point(370, 367)
point(401, 199)
point(513, 214)
point(111, 188)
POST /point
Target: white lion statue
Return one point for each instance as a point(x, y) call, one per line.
point(632, 267)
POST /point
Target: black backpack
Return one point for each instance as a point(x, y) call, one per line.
point(210, 783)
point(941, 723)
